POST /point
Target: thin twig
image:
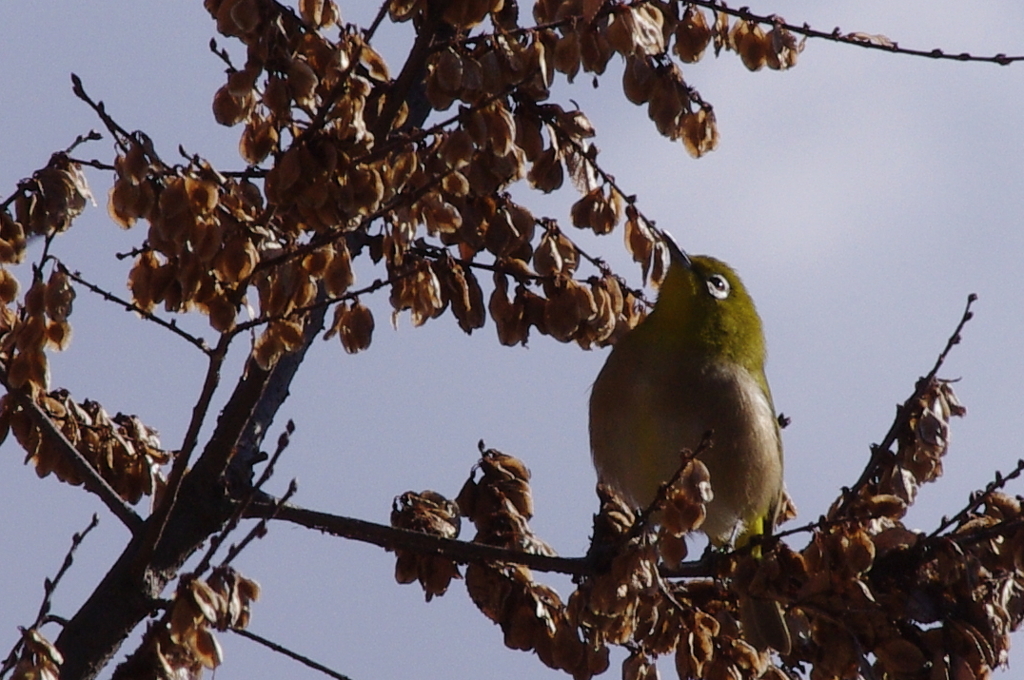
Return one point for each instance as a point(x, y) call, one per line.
point(94, 163)
point(984, 533)
point(216, 541)
point(221, 54)
point(91, 136)
point(686, 456)
point(977, 499)
point(298, 311)
point(162, 512)
point(121, 136)
point(857, 39)
point(835, 35)
point(381, 13)
point(564, 139)
point(260, 529)
point(882, 452)
point(305, 660)
point(132, 307)
point(49, 586)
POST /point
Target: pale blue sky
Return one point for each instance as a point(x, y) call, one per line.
point(861, 195)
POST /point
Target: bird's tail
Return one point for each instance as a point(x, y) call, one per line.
point(763, 620)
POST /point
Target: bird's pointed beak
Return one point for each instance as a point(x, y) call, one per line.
point(675, 252)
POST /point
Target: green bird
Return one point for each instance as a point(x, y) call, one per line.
point(694, 365)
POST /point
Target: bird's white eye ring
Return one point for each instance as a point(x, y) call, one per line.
point(718, 286)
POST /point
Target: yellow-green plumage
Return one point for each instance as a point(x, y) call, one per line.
point(695, 364)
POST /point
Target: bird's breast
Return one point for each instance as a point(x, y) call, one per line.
point(646, 408)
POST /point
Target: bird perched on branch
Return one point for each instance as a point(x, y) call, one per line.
point(694, 365)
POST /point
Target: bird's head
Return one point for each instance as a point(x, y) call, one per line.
point(704, 307)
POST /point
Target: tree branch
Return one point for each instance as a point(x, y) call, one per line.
point(881, 452)
point(871, 42)
point(49, 586)
point(132, 307)
point(92, 480)
point(281, 649)
point(390, 538)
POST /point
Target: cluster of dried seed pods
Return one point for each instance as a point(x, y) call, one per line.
point(431, 513)
point(124, 452)
point(182, 643)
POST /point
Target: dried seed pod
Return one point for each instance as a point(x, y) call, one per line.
point(229, 109)
point(9, 286)
point(222, 313)
point(58, 335)
point(638, 666)
point(546, 258)
point(692, 35)
point(666, 105)
point(455, 184)
point(447, 71)
point(569, 306)
point(595, 49)
point(12, 239)
point(750, 42)
point(236, 260)
point(463, 291)
point(622, 31)
point(699, 132)
point(258, 140)
point(58, 295)
point(600, 328)
point(528, 134)
point(782, 49)
point(720, 32)
point(900, 657)
point(319, 13)
point(547, 173)
point(594, 211)
point(508, 315)
point(457, 149)
point(428, 512)
point(354, 325)
point(302, 83)
point(567, 55)
point(637, 30)
point(501, 128)
point(638, 80)
point(59, 195)
point(268, 348)
point(128, 201)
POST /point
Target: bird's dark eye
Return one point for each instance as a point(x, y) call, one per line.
point(718, 286)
